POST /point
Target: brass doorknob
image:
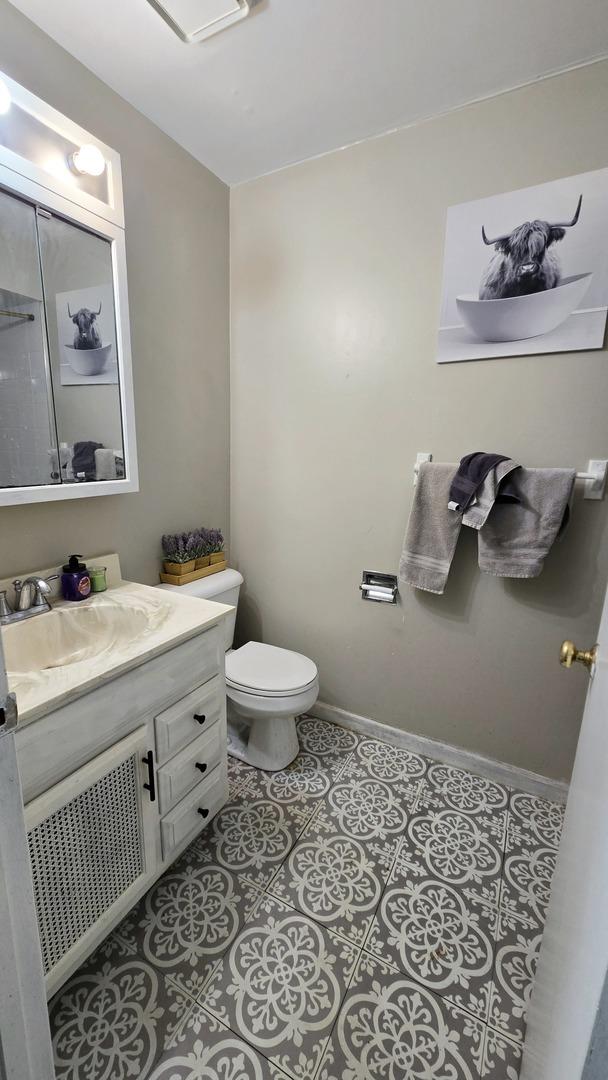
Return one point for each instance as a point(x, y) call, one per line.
point(569, 655)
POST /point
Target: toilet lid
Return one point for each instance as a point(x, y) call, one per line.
point(265, 669)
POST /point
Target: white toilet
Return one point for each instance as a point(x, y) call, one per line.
point(266, 687)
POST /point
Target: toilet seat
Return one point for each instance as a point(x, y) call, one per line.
point(270, 672)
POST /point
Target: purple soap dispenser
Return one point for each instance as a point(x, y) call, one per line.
point(75, 580)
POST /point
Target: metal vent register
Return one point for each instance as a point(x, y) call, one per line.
point(84, 856)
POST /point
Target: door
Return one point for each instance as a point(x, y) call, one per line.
point(25, 1041)
point(568, 1009)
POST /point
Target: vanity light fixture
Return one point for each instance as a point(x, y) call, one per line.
point(89, 159)
point(5, 98)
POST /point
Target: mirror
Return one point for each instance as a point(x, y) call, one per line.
point(60, 401)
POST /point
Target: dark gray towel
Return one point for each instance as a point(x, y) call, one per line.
point(470, 476)
point(83, 461)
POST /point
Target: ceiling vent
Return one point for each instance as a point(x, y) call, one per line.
point(195, 20)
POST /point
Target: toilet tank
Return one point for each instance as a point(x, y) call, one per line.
point(223, 588)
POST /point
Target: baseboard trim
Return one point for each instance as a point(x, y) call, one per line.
point(503, 773)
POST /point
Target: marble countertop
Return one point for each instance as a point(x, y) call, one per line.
point(56, 657)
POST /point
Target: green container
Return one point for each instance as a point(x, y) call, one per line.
point(97, 575)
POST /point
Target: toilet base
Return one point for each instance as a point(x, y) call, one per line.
point(268, 742)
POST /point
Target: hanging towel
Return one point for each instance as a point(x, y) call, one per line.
point(432, 531)
point(105, 464)
point(83, 461)
point(469, 477)
point(497, 486)
point(516, 537)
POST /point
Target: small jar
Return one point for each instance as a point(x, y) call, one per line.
point(97, 575)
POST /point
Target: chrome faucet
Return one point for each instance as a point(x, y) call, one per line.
point(30, 599)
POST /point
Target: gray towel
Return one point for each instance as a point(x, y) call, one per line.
point(516, 537)
point(476, 514)
point(432, 531)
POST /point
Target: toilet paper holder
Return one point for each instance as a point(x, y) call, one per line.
point(382, 588)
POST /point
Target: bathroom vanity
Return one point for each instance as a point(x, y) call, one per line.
point(121, 744)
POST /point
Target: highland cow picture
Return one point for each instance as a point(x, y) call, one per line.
point(526, 272)
point(87, 336)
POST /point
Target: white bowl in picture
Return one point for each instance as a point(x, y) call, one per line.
point(518, 317)
point(88, 361)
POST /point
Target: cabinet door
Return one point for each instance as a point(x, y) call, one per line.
point(93, 842)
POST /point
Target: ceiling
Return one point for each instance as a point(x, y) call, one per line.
point(301, 77)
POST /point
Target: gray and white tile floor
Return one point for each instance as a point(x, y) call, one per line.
point(366, 914)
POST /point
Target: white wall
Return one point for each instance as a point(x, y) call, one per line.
point(336, 285)
point(177, 261)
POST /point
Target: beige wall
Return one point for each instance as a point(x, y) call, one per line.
point(177, 256)
point(336, 269)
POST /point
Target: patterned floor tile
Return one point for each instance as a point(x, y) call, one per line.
point(501, 1058)
point(188, 919)
point(301, 785)
point(114, 1018)
point(385, 762)
point(368, 809)
point(250, 837)
point(517, 948)
point(334, 879)
point(458, 849)
point(238, 772)
point(447, 787)
point(527, 877)
point(436, 936)
point(391, 1028)
point(534, 822)
point(281, 985)
point(320, 737)
point(204, 1049)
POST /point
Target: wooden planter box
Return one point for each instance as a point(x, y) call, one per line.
point(194, 575)
point(179, 569)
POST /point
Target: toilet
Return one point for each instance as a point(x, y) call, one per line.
point(266, 687)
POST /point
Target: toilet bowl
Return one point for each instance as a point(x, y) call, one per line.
point(266, 687)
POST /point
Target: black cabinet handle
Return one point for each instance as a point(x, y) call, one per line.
point(201, 766)
point(150, 786)
point(200, 718)
point(203, 813)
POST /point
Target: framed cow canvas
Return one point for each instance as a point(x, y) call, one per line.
point(526, 272)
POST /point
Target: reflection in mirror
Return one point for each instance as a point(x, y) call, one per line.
point(79, 295)
point(28, 443)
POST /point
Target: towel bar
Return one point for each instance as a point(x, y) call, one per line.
point(594, 478)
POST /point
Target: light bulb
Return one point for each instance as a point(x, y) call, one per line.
point(89, 159)
point(5, 98)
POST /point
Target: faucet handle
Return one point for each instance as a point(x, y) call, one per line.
point(5, 607)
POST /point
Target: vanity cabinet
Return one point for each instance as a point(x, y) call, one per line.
point(116, 784)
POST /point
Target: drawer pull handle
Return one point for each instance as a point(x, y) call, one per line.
point(203, 813)
point(200, 718)
point(201, 766)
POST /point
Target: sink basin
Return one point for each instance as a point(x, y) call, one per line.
point(74, 640)
point(71, 635)
point(56, 657)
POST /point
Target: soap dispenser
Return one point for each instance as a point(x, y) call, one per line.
point(75, 580)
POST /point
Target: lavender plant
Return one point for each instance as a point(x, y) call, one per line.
point(214, 541)
point(179, 547)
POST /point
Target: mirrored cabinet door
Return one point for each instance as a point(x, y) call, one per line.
point(60, 405)
point(78, 289)
point(28, 438)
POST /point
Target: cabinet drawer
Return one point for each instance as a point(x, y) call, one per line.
point(183, 722)
point(185, 820)
point(187, 769)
